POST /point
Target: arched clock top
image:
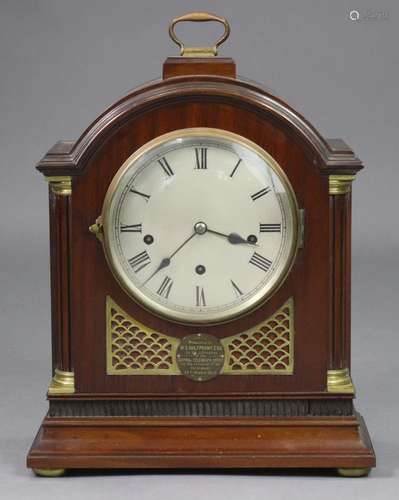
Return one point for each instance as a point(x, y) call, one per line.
point(69, 158)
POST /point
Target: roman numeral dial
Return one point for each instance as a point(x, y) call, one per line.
point(201, 227)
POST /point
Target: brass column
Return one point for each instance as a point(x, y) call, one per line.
point(338, 375)
point(60, 191)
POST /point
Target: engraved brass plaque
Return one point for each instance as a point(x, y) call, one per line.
point(200, 357)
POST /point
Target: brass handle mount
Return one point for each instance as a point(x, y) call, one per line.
point(199, 17)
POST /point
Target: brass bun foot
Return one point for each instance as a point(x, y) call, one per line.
point(49, 472)
point(354, 472)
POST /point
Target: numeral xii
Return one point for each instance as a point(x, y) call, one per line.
point(201, 158)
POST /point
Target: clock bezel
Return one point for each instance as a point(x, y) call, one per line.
point(160, 310)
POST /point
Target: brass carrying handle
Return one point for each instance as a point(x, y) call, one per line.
point(199, 17)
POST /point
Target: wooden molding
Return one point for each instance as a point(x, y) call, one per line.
point(215, 407)
point(327, 442)
point(67, 158)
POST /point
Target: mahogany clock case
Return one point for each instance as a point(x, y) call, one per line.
point(140, 421)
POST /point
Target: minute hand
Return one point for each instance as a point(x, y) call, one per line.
point(232, 238)
point(165, 262)
point(182, 245)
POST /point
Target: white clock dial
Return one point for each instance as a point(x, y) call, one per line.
point(200, 225)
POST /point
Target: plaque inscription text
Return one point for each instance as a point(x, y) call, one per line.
point(200, 357)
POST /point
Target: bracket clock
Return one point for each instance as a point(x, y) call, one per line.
point(200, 234)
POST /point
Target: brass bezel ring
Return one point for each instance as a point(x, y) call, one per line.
point(159, 309)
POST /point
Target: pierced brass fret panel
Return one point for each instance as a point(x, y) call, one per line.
point(266, 348)
point(134, 349)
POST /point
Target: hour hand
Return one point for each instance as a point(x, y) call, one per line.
point(235, 238)
point(232, 238)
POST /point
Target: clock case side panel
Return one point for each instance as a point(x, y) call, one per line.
point(81, 160)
